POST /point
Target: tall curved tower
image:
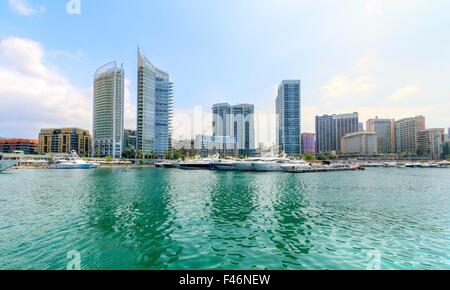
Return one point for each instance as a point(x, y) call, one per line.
point(154, 109)
point(108, 111)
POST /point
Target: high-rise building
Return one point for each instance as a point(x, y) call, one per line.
point(385, 129)
point(430, 143)
point(236, 122)
point(64, 141)
point(308, 143)
point(331, 128)
point(288, 109)
point(108, 110)
point(406, 131)
point(154, 109)
point(359, 143)
point(11, 145)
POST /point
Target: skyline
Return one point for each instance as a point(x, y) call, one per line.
point(372, 57)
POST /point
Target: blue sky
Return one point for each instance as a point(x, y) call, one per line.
point(376, 57)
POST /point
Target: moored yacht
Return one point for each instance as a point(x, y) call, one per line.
point(72, 162)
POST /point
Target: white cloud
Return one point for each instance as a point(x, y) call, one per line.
point(374, 7)
point(34, 94)
point(23, 7)
point(404, 94)
point(344, 86)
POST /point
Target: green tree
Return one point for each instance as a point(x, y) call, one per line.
point(109, 159)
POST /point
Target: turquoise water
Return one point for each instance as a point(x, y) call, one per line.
point(174, 219)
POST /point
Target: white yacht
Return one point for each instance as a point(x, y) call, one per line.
point(270, 164)
point(72, 162)
point(222, 164)
point(296, 166)
point(246, 165)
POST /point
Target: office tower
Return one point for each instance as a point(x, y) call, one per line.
point(406, 131)
point(288, 109)
point(154, 109)
point(430, 143)
point(359, 143)
point(65, 140)
point(385, 129)
point(11, 145)
point(108, 111)
point(331, 128)
point(308, 143)
point(236, 122)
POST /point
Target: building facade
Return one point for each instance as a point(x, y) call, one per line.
point(210, 145)
point(308, 143)
point(11, 145)
point(154, 109)
point(385, 130)
point(64, 141)
point(406, 133)
point(359, 143)
point(129, 142)
point(237, 122)
point(430, 143)
point(288, 110)
point(331, 128)
point(108, 111)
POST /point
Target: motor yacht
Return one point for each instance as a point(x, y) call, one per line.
point(72, 162)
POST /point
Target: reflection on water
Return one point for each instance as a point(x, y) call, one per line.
point(174, 219)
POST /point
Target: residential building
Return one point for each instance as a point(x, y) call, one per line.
point(65, 140)
point(406, 131)
point(288, 110)
point(359, 143)
point(331, 128)
point(235, 122)
point(308, 143)
point(12, 145)
point(385, 130)
point(109, 111)
point(430, 143)
point(154, 109)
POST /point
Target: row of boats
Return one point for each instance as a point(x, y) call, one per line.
point(265, 164)
point(437, 164)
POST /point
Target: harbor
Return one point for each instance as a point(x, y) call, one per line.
point(141, 218)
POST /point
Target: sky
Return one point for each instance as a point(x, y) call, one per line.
point(375, 57)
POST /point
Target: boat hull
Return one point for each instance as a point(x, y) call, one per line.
point(6, 164)
point(75, 166)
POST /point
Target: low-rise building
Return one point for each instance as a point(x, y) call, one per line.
point(209, 145)
point(360, 143)
point(65, 140)
point(12, 145)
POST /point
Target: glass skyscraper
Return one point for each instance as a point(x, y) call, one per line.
point(154, 109)
point(288, 109)
point(108, 111)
